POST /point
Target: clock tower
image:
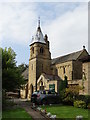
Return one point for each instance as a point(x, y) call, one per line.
point(40, 59)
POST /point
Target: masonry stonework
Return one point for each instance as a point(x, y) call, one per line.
point(44, 71)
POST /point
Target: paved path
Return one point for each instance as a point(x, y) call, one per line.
point(27, 106)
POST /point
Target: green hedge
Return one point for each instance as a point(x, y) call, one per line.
point(85, 98)
point(88, 106)
point(80, 104)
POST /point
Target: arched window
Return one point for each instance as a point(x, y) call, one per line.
point(32, 49)
point(32, 66)
point(41, 50)
point(64, 70)
point(41, 83)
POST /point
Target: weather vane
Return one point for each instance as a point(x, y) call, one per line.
point(39, 21)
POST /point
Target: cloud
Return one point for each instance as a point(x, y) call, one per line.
point(65, 23)
point(69, 32)
point(44, 0)
point(17, 22)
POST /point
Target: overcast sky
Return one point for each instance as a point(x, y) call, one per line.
point(65, 23)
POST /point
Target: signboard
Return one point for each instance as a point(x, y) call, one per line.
point(52, 87)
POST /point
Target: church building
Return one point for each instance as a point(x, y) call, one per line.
point(45, 73)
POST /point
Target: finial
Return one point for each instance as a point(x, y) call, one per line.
point(46, 37)
point(39, 21)
point(83, 47)
point(32, 37)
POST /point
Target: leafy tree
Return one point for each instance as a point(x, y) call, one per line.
point(62, 87)
point(22, 67)
point(71, 94)
point(11, 76)
point(63, 84)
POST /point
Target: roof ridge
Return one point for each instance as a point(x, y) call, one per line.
point(67, 54)
point(48, 74)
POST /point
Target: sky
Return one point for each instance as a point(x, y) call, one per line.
point(65, 23)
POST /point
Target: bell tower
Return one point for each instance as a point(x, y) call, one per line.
point(40, 59)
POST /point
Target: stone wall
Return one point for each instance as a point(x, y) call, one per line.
point(39, 62)
point(47, 82)
point(86, 77)
point(77, 70)
point(89, 78)
point(64, 69)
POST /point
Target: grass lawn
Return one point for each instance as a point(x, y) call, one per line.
point(16, 114)
point(66, 111)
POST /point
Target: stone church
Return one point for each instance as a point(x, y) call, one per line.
point(45, 73)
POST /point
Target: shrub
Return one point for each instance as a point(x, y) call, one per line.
point(80, 104)
point(62, 87)
point(88, 106)
point(71, 94)
point(3, 99)
point(85, 98)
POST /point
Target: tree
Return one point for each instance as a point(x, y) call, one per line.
point(62, 87)
point(11, 76)
point(63, 84)
point(22, 67)
point(71, 93)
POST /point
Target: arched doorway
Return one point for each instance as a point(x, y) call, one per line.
point(41, 85)
point(31, 89)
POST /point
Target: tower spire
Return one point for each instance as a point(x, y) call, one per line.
point(39, 21)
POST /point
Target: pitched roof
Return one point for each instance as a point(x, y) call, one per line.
point(69, 57)
point(38, 37)
point(25, 73)
point(86, 59)
point(51, 77)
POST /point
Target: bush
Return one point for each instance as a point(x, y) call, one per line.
point(80, 104)
point(71, 94)
point(88, 106)
point(3, 99)
point(85, 98)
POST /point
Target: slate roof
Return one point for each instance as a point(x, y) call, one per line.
point(68, 57)
point(51, 77)
point(86, 59)
point(38, 37)
point(25, 73)
point(65, 58)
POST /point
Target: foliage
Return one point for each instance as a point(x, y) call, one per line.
point(63, 84)
point(11, 76)
point(3, 99)
point(8, 58)
point(6, 103)
point(71, 94)
point(22, 67)
point(85, 98)
point(79, 104)
point(88, 106)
